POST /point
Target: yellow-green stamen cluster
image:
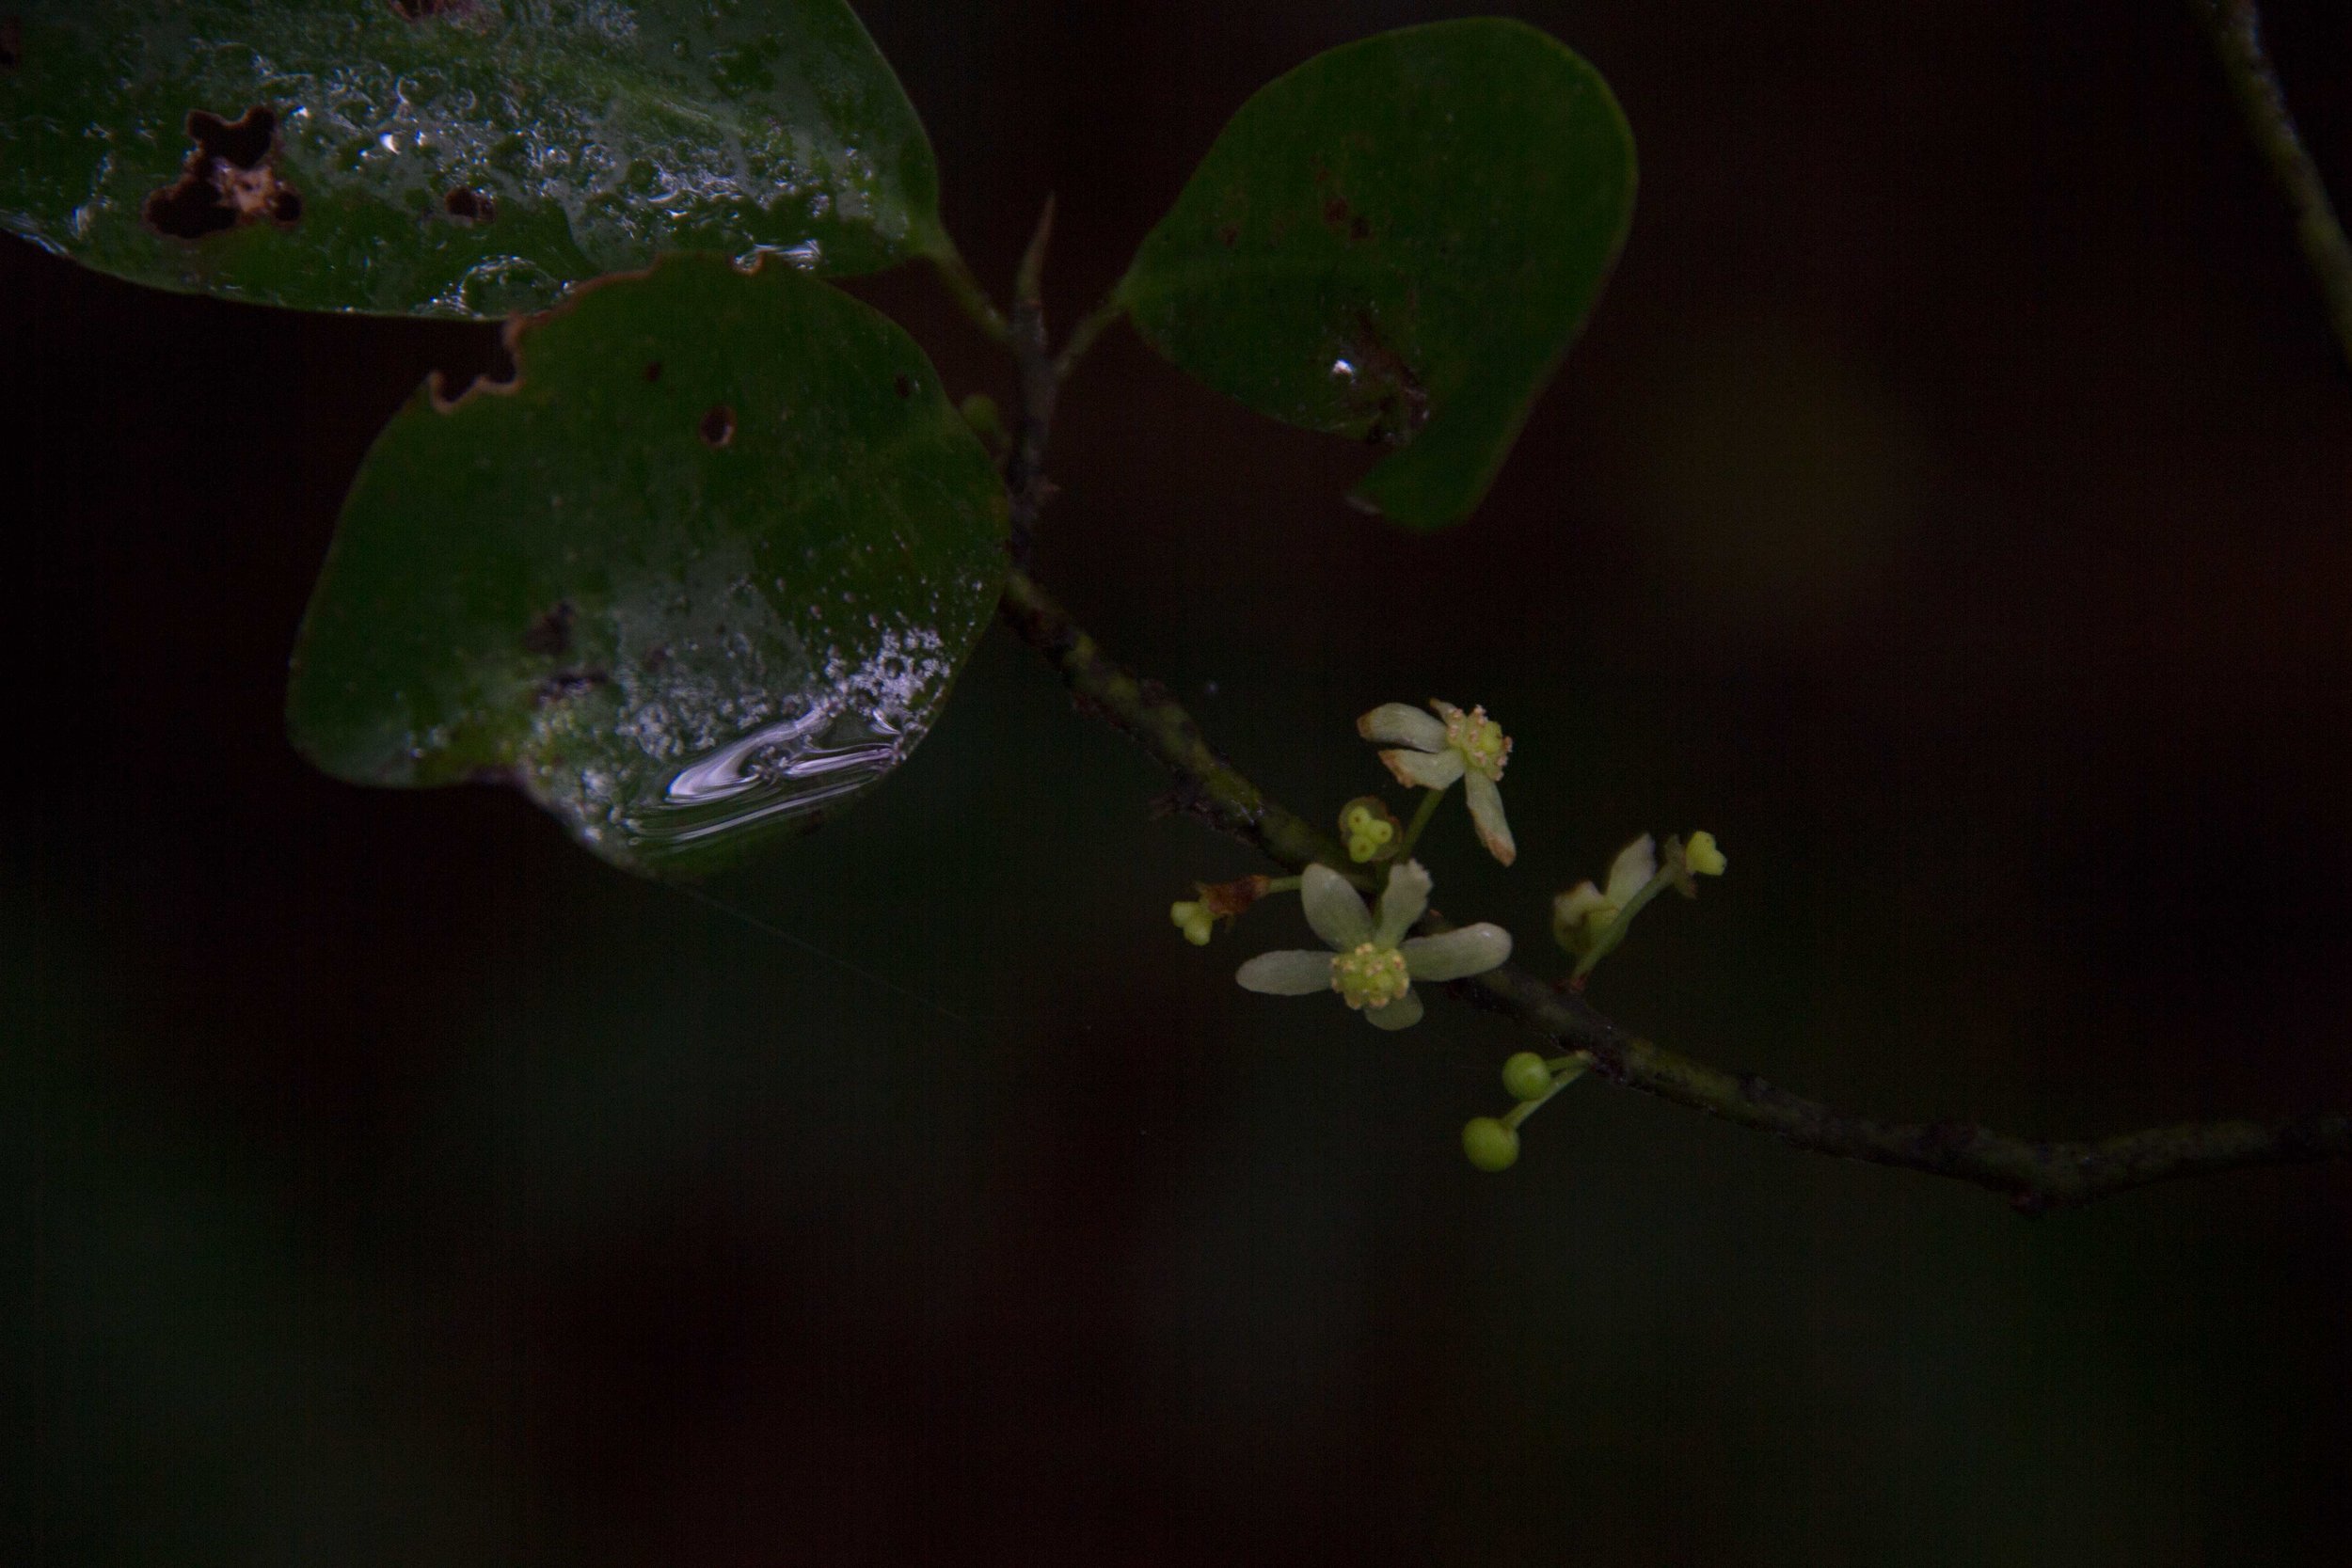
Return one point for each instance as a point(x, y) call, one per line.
point(1370, 829)
point(1370, 975)
point(1484, 745)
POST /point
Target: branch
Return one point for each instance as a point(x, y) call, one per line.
point(2034, 1175)
point(2236, 29)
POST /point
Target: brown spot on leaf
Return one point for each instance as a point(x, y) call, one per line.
point(717, 426)
point(653, 372)
point(1384, 390)
point(1341, 218)
point(1226, 235)
point(229, 180)
point(11, 43)
point(550, 632)
point(903, 385)
point(468, 205)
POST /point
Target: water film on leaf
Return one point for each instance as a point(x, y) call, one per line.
point(699, 574)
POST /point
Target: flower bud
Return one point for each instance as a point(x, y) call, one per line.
point(1702, 855)
point(1371, 831)
point(1194, 920)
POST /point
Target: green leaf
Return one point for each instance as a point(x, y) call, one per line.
point(454, 157)
point(702, 573)
point(1396, 242)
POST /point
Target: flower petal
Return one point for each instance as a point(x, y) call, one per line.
point(1570, 908)
point(1457, 955)
point(1425, 769)
point(1401, 903)
point(1335, 910)
point(1635, 865)
point(1402, 1013)
point(1294, 974)
point(1398, 725)
point(1486, 806)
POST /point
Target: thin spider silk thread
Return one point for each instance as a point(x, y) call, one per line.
point(768, 928)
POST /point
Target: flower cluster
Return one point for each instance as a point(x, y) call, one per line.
point(1369, 960)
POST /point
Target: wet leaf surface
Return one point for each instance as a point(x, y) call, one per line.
point(452, 157)
point(1396, 242)
point(702, 574)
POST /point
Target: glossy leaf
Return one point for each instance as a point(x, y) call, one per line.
point(703, 572)
point(1396, 242)
point(452, 157)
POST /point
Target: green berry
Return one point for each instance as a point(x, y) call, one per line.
point(1526, 1076)
point(1489, 1145)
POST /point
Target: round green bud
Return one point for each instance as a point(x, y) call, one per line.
point(1526, 1076)
point(1489, 1145)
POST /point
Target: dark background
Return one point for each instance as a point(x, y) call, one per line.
point(1951, 506)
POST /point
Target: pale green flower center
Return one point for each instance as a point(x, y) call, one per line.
point(1484, 745)
point(1370, 976)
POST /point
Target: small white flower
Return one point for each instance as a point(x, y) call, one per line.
point(1433, 753)
point(1579, 915)
point(1374, 963)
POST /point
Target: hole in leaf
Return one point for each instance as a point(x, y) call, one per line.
point(550, 633)
point(230, 178)
point(468, 205)
point(417, 11)
point(903, 385)
point(244, 141)
point(653, 372)
point(11, 43)
point(491, 367)
point(717, 426)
